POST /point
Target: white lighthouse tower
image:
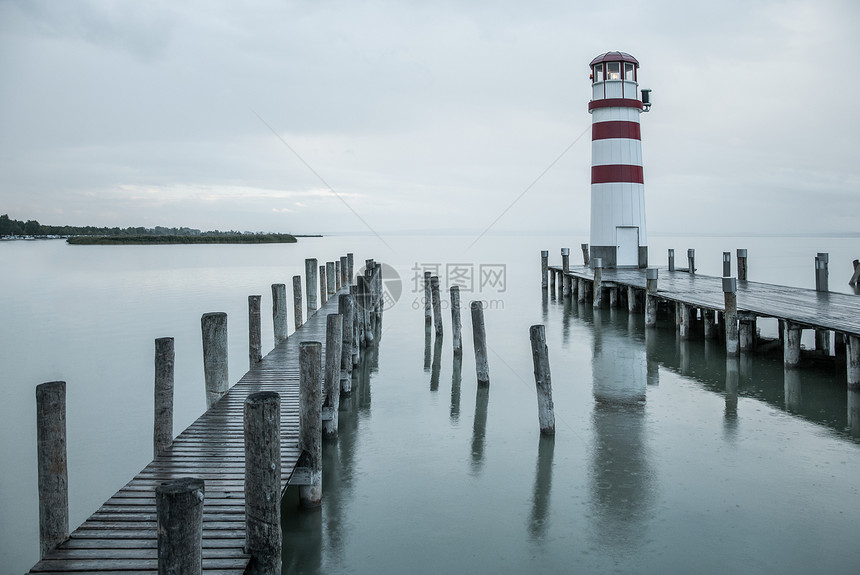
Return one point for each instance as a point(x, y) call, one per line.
point(618, 234)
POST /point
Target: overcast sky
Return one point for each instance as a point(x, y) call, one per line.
point(422, 115)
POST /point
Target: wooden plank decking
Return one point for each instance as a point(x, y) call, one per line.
point(121, 535)
point(812, 309)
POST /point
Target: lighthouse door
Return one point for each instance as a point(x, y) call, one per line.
point(627, 246)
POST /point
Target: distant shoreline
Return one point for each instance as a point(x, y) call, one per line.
point(172, 239)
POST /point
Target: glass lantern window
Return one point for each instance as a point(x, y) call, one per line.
point(629, 73)
point(598, 73)
point(613, 70)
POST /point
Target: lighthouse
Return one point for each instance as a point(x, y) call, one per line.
point(618, 234)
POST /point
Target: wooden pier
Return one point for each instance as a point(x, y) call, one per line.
point(795, 308)
point(121, 536)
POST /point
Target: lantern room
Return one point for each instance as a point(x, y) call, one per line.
point(614, 75)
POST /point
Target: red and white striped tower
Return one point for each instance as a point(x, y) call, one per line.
point(618, 234)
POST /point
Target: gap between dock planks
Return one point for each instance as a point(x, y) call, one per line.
point(121, 535)
point(813, 309)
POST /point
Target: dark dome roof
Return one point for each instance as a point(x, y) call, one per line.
point(614, 57)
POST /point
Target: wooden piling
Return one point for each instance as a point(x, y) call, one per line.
point(331, 280)
point(746, 331)
point(651, 276)
point(344, 272)
point(346, 308)
point(323, 286)
point(710, 328)
point(585, 257)
point(162, 433)
point(822, 341)
point(337, 275)
point(730, 288)
point(364, 308)
point(691, 261)
point(852, 349)
point(479, 338)
point(279, 312)
point(613, 296)
point(544, 268)
point(350, 268)
point(742, 264)
point(179, 517)
point(437, 304)
point(634, 303)
point(543, 379)
point(52, 465)
point(310, 421)
point(565, 268)
point(791, 343)
point(255, 330)
point(597, 284)
point(297, 301)
point(671, 260)
point(683, 317)
point(581, 290)
point(552, 277)
point(821, 272)
point(456, 325)
point(333, 357)
point(311, 285)
point(428, 299)
point(727, 264)
point(214, 328)
point(855, 277)
point(357, 334)
point(262, 427)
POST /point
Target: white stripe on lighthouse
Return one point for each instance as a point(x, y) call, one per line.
point(616, 151)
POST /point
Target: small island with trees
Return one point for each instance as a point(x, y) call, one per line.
point(90, 235)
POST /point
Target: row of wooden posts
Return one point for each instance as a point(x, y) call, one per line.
point(739, 327)
point(179, 504)
point(537, 336)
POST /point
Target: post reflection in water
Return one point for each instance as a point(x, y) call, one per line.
point(437, 364)
point(622, 486)
point(730, 421)
point(427, 338)
point(456, 379)
point(479, 429)
point(854, 412)
point(793, 395)
point(543, 485)
point(652, 363)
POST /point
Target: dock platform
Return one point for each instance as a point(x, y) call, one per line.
point(121, 536)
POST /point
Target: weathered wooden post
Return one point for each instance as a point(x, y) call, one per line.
point(52, 465)
point(683, 317)
point(279, 312)
point(214, 328)
point(634, 303)
point(345, 307)
point(730, 316)
point(333, 357)
point(310, 421)
point(855, 277)
point(671, 260)
point(710, 328)
point(552, 287)
point(428, 299)
point(742, 264)
point(456, 325)
point(727, 264)
point(338, 275)
point(179, 517)
point(585, 258)
point(651, 297)
point(380, 292)
point(581, 290)
point(311, 285)
point(852, 350)
point(543, 379)
point(162, 433)
point(262, 428)
point(597, 285)
point(544, 268)
point(821, 272)
point(344, 272)
point(691, 260)
point(323, 286)
point(613, 296)
point(437, 304)
point(357, 334)
point(331, 280)
point(746, 331)
point(479, 338)
point(565, 268)
point(364, 306)
point(297, 301)
point(255, 330)
point(350, 268)
point(791, 343)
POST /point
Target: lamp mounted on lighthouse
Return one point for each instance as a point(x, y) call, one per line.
point(618, 234)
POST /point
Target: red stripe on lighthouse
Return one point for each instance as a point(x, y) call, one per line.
point(615, 103)
point(617, 173)
point(615, 129)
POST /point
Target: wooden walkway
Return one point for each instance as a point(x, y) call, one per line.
point(121, 536)
point(812, 309)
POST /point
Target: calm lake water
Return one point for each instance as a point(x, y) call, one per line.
point(667, 457)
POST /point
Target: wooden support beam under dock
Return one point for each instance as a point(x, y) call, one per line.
point(121, 536)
